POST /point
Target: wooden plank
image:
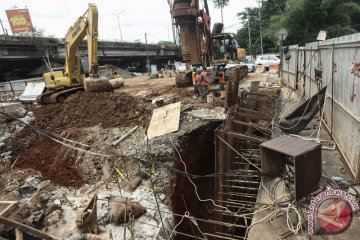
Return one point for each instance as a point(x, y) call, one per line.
point(25, 228)
point(164, 120)
point(11, 205)
point(18, 234)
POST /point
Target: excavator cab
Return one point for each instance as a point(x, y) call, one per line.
point(221, 48)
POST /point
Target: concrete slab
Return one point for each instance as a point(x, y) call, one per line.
point(17, 109)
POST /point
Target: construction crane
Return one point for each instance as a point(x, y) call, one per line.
point(80, 72)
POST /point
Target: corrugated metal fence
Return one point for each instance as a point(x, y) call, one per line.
point(339, 60)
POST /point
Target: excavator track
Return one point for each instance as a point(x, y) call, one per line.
point(44, 98)
point(57, 96)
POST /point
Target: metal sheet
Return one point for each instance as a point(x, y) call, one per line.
point(290, 146)
point(336, 57)
point(32, 90)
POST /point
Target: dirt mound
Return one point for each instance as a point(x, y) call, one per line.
point(61, 170)
point(55, 162)
point(84, 109)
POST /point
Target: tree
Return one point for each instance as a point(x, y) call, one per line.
point(302, 18)
point(221, 4)
point(305, 18)
point(167, 43)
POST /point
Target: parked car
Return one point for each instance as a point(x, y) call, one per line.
point(267, 60)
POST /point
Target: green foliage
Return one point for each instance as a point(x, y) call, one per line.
point(302, 18)
point(221, 3)
point(167, 43)
point(43, 41)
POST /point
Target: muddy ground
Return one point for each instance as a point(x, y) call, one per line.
point(96, 120)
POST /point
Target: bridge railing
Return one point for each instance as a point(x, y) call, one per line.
point(17, 86)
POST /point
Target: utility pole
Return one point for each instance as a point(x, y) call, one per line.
point(118, 19)
point(222, 15)
point(147, 54)
point(2, 26)
point(249, 38)
point(261, 40)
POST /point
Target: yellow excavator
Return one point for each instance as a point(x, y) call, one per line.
point(79, 73)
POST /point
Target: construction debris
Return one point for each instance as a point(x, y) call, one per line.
point(124, 136)
point(87, 218)
point(68, 180)
point(209, 114)
point(164, 120)
point(123, 209)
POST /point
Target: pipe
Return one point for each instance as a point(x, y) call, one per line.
point(123, 137)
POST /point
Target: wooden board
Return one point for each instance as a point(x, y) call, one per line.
point(164, 120)
point(7, 207)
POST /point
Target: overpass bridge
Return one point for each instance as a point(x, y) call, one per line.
point(22, 57)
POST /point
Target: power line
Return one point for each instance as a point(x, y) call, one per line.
point(80, 147)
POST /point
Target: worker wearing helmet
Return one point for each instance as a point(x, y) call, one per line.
point(221, 79)
point(203, 85)
point(233, 45)
point(195, 83)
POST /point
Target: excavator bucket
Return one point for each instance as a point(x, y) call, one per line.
point(93, 84)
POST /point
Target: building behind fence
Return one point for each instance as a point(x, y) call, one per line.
point(339, 60)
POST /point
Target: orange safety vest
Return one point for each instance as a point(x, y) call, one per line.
point(194, 77)
point(203, 79)
point(221, 78)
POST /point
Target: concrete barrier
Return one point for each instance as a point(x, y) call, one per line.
point(274, 68)
point(260, 68)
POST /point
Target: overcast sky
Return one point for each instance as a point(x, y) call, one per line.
point(138, 16)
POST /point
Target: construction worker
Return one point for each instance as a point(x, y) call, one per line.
point(233, 45)
point(203, 84)
point(195, 83)
point(221, 79)
point(205, 73)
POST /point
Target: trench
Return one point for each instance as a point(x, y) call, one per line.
point(198, 153)
point(236, 145)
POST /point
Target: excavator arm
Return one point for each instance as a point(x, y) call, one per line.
point(86, 25)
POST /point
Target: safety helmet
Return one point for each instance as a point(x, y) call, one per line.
point(198, 70)
point(221, 68)
point(194, 69)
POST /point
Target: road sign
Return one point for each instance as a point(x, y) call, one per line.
point(19, 20)
point(282, 34)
